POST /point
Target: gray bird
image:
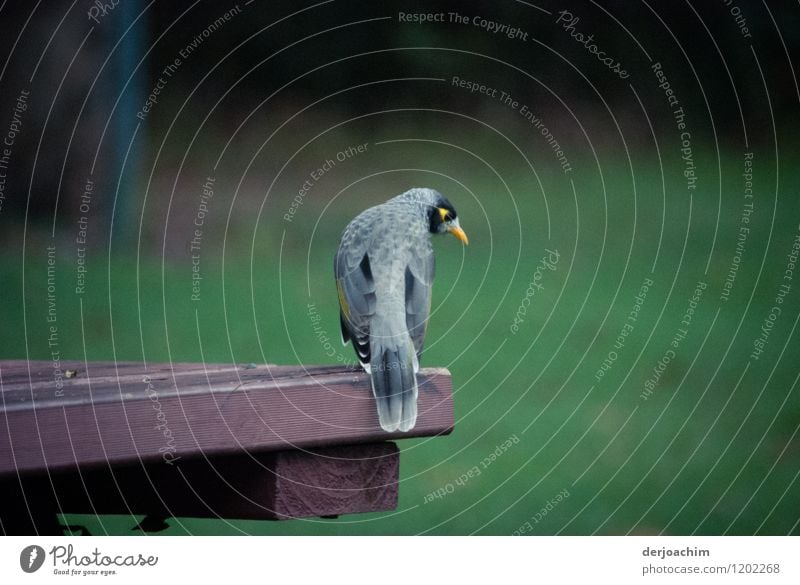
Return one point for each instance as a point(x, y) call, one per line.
point(384, 271)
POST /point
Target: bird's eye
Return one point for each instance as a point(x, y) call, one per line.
point(445, 214)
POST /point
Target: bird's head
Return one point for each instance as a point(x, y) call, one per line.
point(439, 212)
point(441, 215)
point(443, 218)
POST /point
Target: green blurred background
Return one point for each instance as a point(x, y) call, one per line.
point(712, 450)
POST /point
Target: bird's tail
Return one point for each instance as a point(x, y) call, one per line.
point(393, 368)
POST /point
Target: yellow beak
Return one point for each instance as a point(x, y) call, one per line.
point(460, 234)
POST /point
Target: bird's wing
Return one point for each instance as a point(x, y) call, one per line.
point(419, 282)
point(356, 289)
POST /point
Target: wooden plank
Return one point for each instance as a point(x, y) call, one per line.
point(336, 480)
point(125, 413)
point(270, 486)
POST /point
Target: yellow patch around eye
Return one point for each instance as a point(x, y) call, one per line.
point(443, 213)
point(342, 301)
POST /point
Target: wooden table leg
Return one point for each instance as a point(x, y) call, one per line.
point(35, 513)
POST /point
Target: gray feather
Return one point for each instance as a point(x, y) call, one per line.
point(418, 298)
point(394, 384)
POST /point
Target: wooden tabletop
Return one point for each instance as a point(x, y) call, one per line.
point(74, 414)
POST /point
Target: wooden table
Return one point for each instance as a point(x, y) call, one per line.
point(195, 440)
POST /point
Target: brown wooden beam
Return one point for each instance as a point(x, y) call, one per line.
point(126, 414)
point(277, 485)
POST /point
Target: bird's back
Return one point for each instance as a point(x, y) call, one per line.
point(384, 270)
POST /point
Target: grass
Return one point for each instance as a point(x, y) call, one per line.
point(706, 452)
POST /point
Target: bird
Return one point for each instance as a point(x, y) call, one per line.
point(384, 268)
